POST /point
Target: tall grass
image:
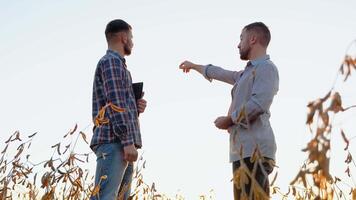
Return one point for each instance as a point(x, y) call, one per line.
point(65, 174)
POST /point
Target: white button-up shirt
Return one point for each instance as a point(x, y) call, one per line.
point(252, 95)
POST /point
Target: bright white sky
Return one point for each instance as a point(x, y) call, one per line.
point(49, 51)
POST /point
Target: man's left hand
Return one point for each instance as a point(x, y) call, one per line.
point(223, 122)
point(141, 105)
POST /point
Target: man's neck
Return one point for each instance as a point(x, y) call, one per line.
point(257, 53)
point(117, 48)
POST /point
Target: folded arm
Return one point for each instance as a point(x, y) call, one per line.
point(264, 88)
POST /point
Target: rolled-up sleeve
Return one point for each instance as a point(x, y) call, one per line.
point(264, 87)
point(115, 88)
point(211, 72)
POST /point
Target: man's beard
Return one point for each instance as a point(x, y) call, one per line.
point(244, 53)
point(127, 50)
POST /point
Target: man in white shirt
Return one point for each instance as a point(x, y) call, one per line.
point(247, 120)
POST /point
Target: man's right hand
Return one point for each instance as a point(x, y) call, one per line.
point(130, 153)
point(186, 66)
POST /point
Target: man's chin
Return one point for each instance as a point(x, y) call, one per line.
point(243, 58)
point(127, 51)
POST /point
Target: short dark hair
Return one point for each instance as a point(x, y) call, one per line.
point(115, 26)
point(262, 30)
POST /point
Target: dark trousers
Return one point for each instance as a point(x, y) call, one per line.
point(260, 177)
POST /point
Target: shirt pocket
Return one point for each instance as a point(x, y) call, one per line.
point(243, 88)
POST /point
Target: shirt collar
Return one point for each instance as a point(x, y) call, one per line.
point(257, 61)
point(115, 54)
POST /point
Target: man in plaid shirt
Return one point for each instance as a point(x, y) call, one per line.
point(115, 115)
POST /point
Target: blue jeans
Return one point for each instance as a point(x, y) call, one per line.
point(110, 163)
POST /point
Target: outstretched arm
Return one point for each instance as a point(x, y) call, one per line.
point(211, 72)
point(186, 66)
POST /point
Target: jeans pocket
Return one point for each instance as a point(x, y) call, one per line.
point(104, 151)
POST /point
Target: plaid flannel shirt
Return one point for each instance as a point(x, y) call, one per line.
point(113, 84)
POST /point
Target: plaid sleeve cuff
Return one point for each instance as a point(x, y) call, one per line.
point(121, 132)
point(126, 140)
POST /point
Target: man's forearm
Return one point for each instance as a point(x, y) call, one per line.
point(199, 68)
point(247, 115)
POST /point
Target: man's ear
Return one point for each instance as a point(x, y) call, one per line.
point(253, 38)
point(123, 37)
